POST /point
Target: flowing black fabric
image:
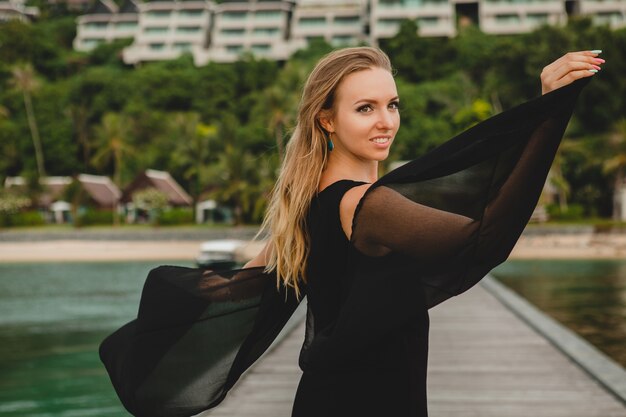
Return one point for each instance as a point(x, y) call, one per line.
point(423, 233)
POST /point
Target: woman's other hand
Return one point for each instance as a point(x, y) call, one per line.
point(569, 68)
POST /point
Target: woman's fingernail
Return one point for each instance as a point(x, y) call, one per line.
point(599, 60)
point(596, 51)
point(595, 66)
point(593, 70)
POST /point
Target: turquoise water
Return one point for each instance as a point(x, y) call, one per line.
point(587, 296)
point(52, 319)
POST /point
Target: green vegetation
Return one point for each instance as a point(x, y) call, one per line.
point(220, 129)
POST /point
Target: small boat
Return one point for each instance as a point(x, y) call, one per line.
point(219, 254)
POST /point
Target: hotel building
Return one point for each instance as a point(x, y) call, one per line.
point(168, 29)
point(260, 27)
point(17, 10)
point(274, 29)
point(106, 22)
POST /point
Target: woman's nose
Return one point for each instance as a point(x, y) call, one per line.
point(385, 120)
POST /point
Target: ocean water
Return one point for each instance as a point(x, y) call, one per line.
point(53, 316)
point(587, 296)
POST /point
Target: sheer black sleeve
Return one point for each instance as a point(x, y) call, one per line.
point(196, 332)
point(458, 211)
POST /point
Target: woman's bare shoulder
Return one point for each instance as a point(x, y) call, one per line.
point(347, 206)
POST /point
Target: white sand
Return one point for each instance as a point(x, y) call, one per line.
point(528, 247)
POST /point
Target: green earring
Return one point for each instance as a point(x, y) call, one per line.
point(331, 145)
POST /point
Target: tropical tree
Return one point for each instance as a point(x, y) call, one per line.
point(241, 181)
point(193, 148)
point(114, 146)
point(557, 177)
point(281, 101)
point(24, 80)
point(153, 201)
point(617, 163)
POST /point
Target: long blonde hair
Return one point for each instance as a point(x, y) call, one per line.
point(305, 160)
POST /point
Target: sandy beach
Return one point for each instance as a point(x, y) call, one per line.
point(556, 246)
point(107, 250)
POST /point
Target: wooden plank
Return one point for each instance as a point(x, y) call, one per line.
point(484, 362)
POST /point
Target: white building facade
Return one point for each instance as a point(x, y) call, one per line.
point(17, 10)
point(342, 23)
point(274, 29)
point(168, 29)
point(106, 22)
point(260, 27)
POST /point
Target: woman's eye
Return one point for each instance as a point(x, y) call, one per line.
point(394, 105)
point(364, 109)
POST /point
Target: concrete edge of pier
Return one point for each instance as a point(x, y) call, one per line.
point(599, 366)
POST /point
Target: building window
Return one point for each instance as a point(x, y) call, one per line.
point(126, 25)
point(188, 29)
point(232, 32)
point(182, 46)
point(603, 18)
point(509, 18)
point(235, 49)
point(96, 25)
point(190, 12)
point(266, 31)
point(234, 15)
point(261, 48)
point(400, 3)
point(347, 20)
point(92, 43)
point(537, 18)
point(340, 40)
point(313, 21)
point(267, 14)
point(157, 46)
point(427, 21)
point(155, 30)
point(389, 23)
point(310, 39)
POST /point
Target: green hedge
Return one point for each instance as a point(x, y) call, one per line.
point(94, 217)
point(22, 218)
point(175, 216)
point(573, 212)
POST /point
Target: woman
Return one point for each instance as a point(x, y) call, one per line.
point(372, 255)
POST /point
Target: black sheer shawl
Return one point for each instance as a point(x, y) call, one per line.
point(428, 230)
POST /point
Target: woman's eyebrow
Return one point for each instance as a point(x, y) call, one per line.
point(371, 100)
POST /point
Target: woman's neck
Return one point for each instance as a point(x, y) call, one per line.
point(340, 167)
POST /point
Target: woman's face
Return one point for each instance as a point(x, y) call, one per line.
point(366, 116)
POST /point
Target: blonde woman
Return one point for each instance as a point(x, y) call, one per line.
point(371, 254)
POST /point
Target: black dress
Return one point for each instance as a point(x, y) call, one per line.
point(384, 376)
point(421, 234)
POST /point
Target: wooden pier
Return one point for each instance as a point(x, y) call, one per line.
point(484, 362)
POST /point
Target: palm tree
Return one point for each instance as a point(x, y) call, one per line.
point(557, 179)
point(617, 163)
point(193, 150)
point(281, 100)
point(80, 118)
point(113, 135)
point(24, 80)
point(242, 181)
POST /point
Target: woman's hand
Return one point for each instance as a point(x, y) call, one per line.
point(569, 68)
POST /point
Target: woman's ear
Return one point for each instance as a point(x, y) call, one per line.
point(325, 121)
